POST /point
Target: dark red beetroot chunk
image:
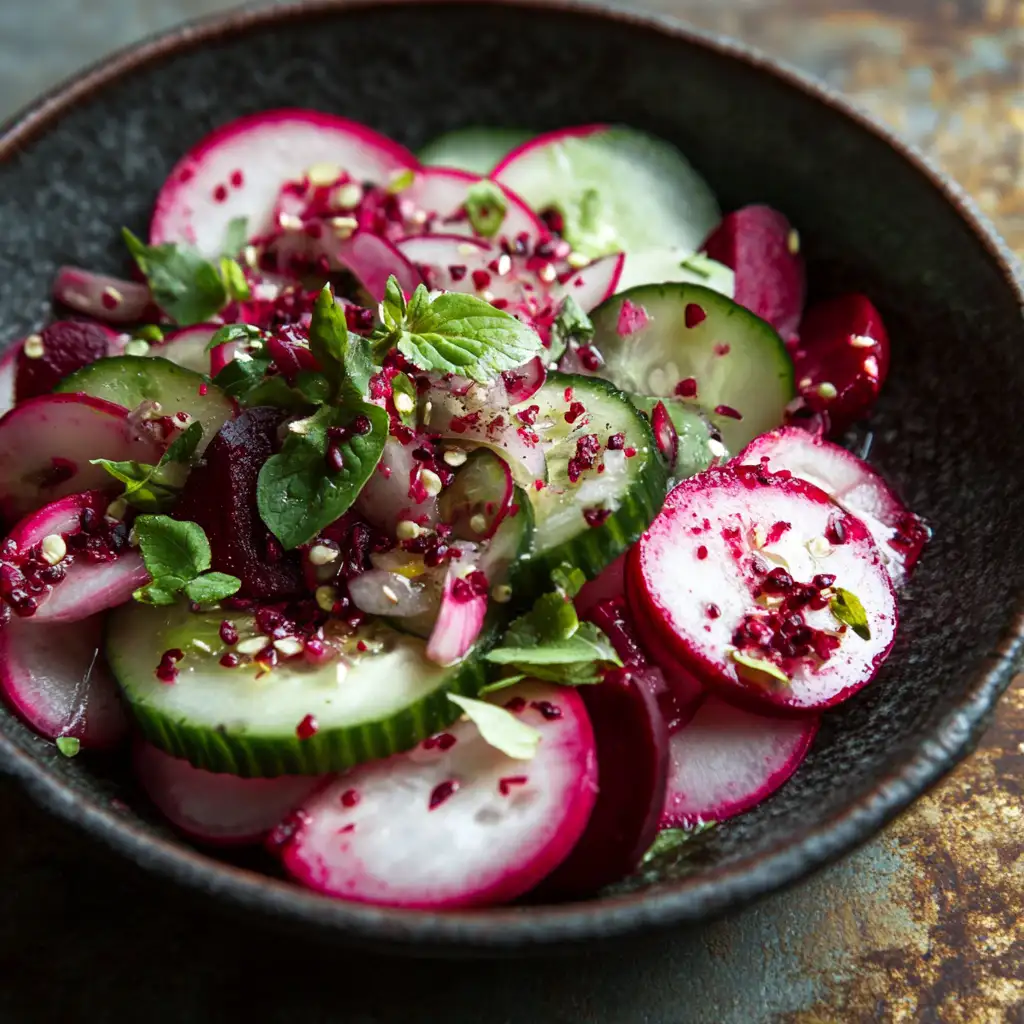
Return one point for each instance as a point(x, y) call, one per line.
point(220, 495)
point(842, 359)
point(633, 760)
point(66, 346)
point(763, 249)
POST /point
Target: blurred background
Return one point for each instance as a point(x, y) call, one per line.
point(923, 925)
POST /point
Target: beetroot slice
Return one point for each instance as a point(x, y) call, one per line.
point(727, 760)
point(453, 822)
point(842, 359)
point(632, 740)
point(708, 579)
point(60, 349)
point(763, 250)
point(55, 679)
point(220, 495)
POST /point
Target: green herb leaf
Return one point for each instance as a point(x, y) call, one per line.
point(568, 580)
point(184, 446)
point(328, 335)
point(244, 333)
point(149, 332)
point(162, 591)
point(406, 397)
point(401, 181)
point(587, 645)
point(503, 683)
point(240, 376)
point(234, 279)
point(551, 619)
point(500, 728)
point(671, 840)
point(394, 306)
point(297, 494)
point(571, 326)
point(236, 235)
point(212, 587)
point(171, 547)
point(756, 669)
point(847, 608)
point(462, 334)
point(486, 207)
point(68, 745)
point(185, 286)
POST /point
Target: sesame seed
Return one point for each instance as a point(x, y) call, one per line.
point(504, 264)
point(826, 390)
point(322, 175)
point(717, 449)
point(289, 646)
point(321, 554)
point(455, 457)
point(116, 509)
point(33, 347)
point(53, 548)
point(871, 366)
point(805, 383)
point(478, 523)
point(343, 227)
point(408, 530)
point(251, 255)
point(289, 222)
point(253, 645)
point(502, 593)
point(861, 341)
point(326, 598)
point(389, 594)
point(793, 241)
point(111, 293)
point(547, 273)
point(577, 260)
point(431, 482)
point(347, 197)
point(428, 410)
point(819, 547)
point(404, 403)
point(202, 646)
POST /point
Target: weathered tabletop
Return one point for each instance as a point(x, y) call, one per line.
point(925, 924)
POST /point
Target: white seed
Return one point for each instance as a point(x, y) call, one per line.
point(504, 264)
point(347, 197)
point(253, 645)
point(111, 293)
point(289, 646)
point(343, 227)
point(289, 222)
point(861, 341)
point(321, 554)
point(455, 457)
point(827, 390)
point(419, 218)
point(502, 593)
point(428, 411)
point(326, 598)
point(717, 449)
point(793, 241)
point(404, 403)
point(431, 482)
point(478, 523)
point(547, 273)
point(54, 548)
point(577, 260)
point(819, 547)
point(322, 175)
point(871, 366)
point(408, 530)
point(136, 347)
point(251, 255)
point(758, 537)
point(805, 383)
point(202, 646)
point(116, 509)
point(33, 347)
point(487, 295)
point(465, 249)
point(389, 594)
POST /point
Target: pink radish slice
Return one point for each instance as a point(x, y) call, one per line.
point(460, 617)
point(632, 740)
point(842, 359)
point(707, 580)
point(373, 260)
point(852, 484)
point(763, 249)
point(387, 497)
point(525, 381)
point(106, 298)
point(453, 824)
point(238, 170)
point(57, 681)
point(727, 760)
point(477, 501)
point(44, 359)
point(84, 586)
point(46, 444)
point(187, 347)
point(224, 810)
point(595, 283)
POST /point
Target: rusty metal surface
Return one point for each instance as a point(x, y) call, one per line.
point(925, 924)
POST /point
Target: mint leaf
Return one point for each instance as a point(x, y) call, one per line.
point(486, 207)
point(234, 280)
point(847, 608)
point(298, 494)
point(245, 333)
point(462, 334)
point(500, 728)
point(393, 309)
point(172, 548)
point(184, 285)
point(236, 235)
point(571, 326)
point(212, 587)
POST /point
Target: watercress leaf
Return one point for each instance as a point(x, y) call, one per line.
point(172, 548)
point(486, 207)
point(297, 494)
point(849, 610)
point(583, 647)
point(69, 745)
point(236, 236)
point(571, 325)
point(277, 392)
point(234, 279)
point(500, 728)
point(405, 397)
point(212, 587)
point(240, 376)
point(465, 335)
point(359, 368)
point(393, 308)
point(184, 285)
point(235, 333)
point(126, 472)
point(183, 447)
point(314, 387)
point(328, 335)
point(162, 591)
point(551, 618)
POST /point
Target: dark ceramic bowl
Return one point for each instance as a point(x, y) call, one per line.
point(873, 215)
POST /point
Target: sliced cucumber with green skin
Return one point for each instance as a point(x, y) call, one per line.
point(589, 522)
point(385, 700)
point(693, 431)
point(132, 380)
point(676, 333)
point(477, 150)
point(616, 188)
point(664, 265)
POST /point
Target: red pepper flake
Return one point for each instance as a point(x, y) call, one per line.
point(203, 388)
point(515, 705)
point(702, 552)
point(693, 315)
point(630, 452)
point(567, 394)
point(632, 318)
point(361, 647)
point(776, 532)
point(687, 388)
point(220, 193)
point(442, 791)
point(576, 410)
point(538, 485)
point(528, 416)
point(596, 516)
point(307, 728)
point(547, 709)
point(506, 784)
point(728, 410)
point(349, 798)
point(236, 179)
point(616, 442)
point(722, 349)
point(481, 279)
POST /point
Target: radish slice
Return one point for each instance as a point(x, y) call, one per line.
point(238, 171)
point(460, 617)
point(727, 760)
point(8, 372)
point(525, 381)
point(736, 577)
point(82, 586)
point(57, 681)
point(595, 282)
point(388, 497)
point(632, 740)
point(853, 485)
point(224, 810)
point(46, 444)
point(46, 358)
point(476, 502)
point(106, 298)
point(453, 823)
point(187, 347)
point(373, 260)
point(378, 592)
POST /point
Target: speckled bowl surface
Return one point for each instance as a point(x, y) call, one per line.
point(872, 215)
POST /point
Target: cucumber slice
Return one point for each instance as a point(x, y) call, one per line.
point(591, 520)
point(132, 380)
point(739, 363)
point(616, 188)
point(477, 150)
point(693, 431)
point(232, 720)
point(665, 265)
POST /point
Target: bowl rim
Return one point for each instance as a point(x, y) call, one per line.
point(505, 928)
